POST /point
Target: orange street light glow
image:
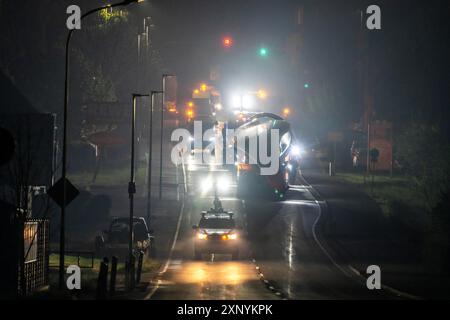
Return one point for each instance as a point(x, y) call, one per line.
point(262, 94)
point(190, 104)
point(203, 87)
point(286, 111)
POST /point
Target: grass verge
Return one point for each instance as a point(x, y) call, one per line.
point(389, 192)
point(88, 276)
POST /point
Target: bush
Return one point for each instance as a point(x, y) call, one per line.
point(425, 155)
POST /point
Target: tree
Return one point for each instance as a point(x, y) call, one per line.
point(425, 155)
point(31, 166)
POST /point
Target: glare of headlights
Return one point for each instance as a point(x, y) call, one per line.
point(236, 101)
point(296, 150)
point(248, 101)
point(223, 184)
point(206, 185)
point(232, 236)
point(202, 236)
point(191, 139)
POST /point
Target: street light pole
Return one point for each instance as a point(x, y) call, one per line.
point(150, 148)
point(162, 133)
point(64, 138)
point(132, 183)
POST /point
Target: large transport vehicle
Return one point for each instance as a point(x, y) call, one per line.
point(207, 104)
point(250, 181)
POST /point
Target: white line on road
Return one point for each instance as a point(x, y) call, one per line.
point(314, 230)
point(352, 269)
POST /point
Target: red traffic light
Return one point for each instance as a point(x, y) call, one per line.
point(227, 42)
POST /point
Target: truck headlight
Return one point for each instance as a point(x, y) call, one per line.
point(206, 185)
point(202, 236)
point(232, 236)
point(223, 184)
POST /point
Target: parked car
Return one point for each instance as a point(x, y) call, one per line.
point(114, 241)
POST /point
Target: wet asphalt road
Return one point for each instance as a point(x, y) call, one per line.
point(281, 238)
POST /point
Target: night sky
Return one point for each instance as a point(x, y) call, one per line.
point(408, 57)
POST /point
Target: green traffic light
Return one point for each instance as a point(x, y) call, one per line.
point(263, 52)
point(306, 85)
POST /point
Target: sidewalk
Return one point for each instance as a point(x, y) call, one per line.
point(360, 235)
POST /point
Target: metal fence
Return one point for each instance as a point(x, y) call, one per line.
point(36, 253)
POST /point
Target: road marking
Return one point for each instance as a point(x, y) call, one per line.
point(316, 222)
point(352, 269)
point(314, 227)
point(387, 288)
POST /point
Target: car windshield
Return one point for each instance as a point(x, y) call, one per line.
point(119, 227)
point(216, 223)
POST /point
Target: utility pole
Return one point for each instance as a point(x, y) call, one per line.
point(365, 85)
point(162, 133)
point(132, 183)
point(150, 148)
point(62, 239)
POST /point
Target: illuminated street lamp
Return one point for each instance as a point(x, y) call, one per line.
point(262, 94)
point(132, 189)
point(190, 113)
point(203, 87)
point(64, 139)
point(150, 154)
point(286, 111)
point(164, 76)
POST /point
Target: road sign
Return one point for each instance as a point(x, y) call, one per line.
point(56, 192)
